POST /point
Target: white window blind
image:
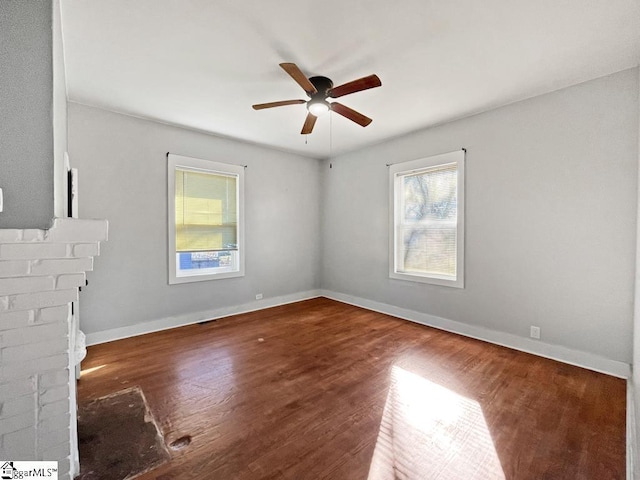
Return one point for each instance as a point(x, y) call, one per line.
point(427, 227)
point(206, 211)
point(428, 222)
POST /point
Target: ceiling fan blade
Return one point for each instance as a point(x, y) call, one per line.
point(364, 83)
point(351, 114)
point(260, 106)
point(309, 122)
point(293, 70)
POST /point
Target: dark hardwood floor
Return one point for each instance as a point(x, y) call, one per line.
point(323, 390)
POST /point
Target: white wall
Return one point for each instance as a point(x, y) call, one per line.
point(551, 218)
point(122, 177)
point(26, 136)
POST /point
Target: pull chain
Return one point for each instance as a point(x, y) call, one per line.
point(330, 133)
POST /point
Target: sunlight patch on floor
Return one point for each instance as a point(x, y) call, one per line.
point(430, 432)
point(87, 371)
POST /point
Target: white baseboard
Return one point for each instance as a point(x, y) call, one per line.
point(536, 347)
point(632, 444)
point(195, 317)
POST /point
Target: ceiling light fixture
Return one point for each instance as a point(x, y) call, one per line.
point(318, 107)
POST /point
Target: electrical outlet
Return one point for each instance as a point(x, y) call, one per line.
point(535, 332)
point(259, 296)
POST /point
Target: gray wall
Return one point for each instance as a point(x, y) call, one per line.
point(635, 370)
point(26, 132)
point(59, 116)
point(551, 218)
point(122, 177)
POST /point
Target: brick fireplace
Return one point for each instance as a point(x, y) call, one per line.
point(40, 273)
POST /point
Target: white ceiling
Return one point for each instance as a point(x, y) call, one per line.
point(201, 64)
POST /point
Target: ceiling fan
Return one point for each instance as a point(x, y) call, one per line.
point(319, 89)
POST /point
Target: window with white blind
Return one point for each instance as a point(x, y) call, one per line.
point(206, 215)
point(427, 220)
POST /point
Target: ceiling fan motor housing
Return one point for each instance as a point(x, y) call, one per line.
point(323, 85)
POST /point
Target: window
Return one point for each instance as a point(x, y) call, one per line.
point(206, 234)
point(427, 220)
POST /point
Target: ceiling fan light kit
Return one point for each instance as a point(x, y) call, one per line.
point(318, 107)
point(319, 89)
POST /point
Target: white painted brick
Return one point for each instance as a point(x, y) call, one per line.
point(13, 268)
point(16, 354)
point(75, 230)
point(53, 379)
point(71, 280)
point(64, 465)
point(53, 443)
point(27, 251)
point(51, 395)
point(10, 286)
point(19, 444)
point(33, 367)
point(17, 388)
point(51, 438)
point(17, 422)
point(16, 406)
point(52, 314)
point(58, 266)
point(86, 250)
point(62, 450)
point(33, 334)
point(54, 423)
point(33, 235)
point(40, 272)
point(10, 235)
point(20, 319)
point(29, 301)
point(53, 409)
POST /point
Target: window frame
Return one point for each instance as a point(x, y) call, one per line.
point(204, 166)
point(396, 172)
